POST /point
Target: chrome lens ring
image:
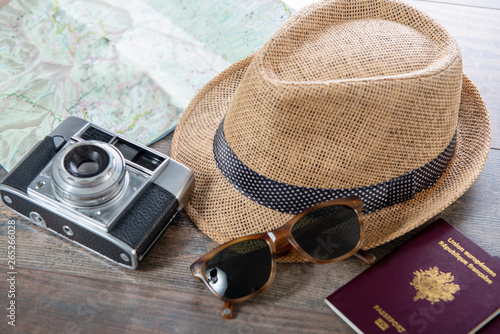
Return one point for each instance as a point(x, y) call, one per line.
point(88, 173)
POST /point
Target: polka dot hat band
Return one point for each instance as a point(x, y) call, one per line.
point(295, 199)
point(362, 98)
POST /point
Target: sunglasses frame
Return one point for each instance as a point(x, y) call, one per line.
point(282, 243)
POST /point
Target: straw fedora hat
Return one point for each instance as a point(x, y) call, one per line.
point(363, 97)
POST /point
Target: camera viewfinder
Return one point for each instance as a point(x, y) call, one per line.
point(138, 155)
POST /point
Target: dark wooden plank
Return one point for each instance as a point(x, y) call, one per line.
point(50, 303)
point(477, 31)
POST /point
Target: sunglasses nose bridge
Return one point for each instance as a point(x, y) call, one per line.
point(282, 245)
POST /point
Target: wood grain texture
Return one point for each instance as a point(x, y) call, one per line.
point(60, 303)
point(62, 288)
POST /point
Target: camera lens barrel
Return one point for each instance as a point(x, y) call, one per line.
point(88, 173)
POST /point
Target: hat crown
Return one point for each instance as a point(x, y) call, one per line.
point(347, 94)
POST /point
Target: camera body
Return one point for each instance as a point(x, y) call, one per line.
point(98, 189)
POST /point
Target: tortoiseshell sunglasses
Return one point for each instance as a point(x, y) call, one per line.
point(240, 269)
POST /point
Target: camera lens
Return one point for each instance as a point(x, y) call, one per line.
point(86, 161)
point(89, 173)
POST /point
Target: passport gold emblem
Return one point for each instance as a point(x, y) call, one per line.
point(434, 285)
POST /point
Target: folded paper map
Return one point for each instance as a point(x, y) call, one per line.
point(129, 66)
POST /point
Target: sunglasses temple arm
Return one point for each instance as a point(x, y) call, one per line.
point(227, 310)
point(364, 256)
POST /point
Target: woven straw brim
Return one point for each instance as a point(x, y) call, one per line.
point(223, 213)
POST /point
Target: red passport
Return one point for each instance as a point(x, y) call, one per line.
point(437, 282)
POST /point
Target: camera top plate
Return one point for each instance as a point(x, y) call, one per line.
point(143, 167)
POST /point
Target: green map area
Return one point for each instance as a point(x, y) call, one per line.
point(129, 66)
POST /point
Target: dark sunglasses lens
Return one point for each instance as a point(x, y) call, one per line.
point(240, 269)
point(328, 232)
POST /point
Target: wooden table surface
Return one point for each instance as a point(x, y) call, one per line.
point(62, 288)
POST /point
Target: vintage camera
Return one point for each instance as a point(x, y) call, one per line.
point(98, 189)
